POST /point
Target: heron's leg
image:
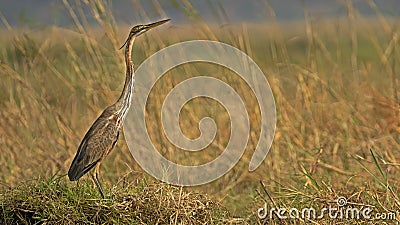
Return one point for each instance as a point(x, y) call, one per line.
point(95, 177)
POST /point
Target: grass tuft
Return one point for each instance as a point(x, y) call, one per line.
point(57, 201)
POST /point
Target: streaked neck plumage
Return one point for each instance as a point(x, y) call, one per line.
point(124, 101)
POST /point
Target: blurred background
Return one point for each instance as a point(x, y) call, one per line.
point(46, 12)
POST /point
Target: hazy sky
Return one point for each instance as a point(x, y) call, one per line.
point(48, 12)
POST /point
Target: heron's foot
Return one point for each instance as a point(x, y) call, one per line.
point(96, 181)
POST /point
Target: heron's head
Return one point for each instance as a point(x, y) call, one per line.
point(140, 29)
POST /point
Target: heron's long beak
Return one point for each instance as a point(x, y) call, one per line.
point(152, 25)
point(145, 28)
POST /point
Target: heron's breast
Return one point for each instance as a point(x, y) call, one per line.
point(115, 119)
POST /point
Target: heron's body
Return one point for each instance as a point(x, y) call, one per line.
point(96, 145)
point(103, 134)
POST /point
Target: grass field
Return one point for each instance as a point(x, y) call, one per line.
point(336, 87)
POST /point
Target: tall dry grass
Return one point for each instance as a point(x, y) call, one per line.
point(335, 82)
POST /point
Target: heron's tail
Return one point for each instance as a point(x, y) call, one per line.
point(78, 169)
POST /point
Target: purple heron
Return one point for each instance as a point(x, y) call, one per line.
point(103, 134)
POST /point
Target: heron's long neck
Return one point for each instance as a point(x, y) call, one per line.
point(124, 101)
